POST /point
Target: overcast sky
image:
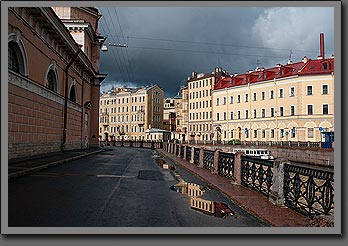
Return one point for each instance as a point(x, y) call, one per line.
point(165, 44)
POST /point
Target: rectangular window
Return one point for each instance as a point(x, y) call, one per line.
point(263, 133)
point(246, 114)
point(254, 95)
point(231, 116)
point(217, 116)
point(224, 100)
point(263, 95)
point(310, 133)
point(325, 109)
point(272, 112)
point(281, 111)
point(272, 133)
point(281, 133)
point(325, 90)
point(255, 133)
point(271, 94)
point(238, 115)
point(246, 97)
point(231, 99)
point(309, 109)
point(255, 113)
point(238, 98)
point(309, 90)
point(292, 110)
point(217, 102)
point(281, 93)
point(293, 132)
point(292, 91)
point(263, 113)
point(225, 116)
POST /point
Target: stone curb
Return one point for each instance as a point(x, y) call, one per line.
point(52, 164)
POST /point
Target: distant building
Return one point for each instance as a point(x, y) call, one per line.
point(184, 113)
point(126, 113)
point(155, 134)
point(200, 87)
point(290, 102)
point(53, 88)
point(169, 115)
point(179, 132)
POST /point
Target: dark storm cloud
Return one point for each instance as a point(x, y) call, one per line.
point(241, 32)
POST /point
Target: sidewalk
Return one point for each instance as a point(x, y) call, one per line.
point(252, 201)
point(22, 166)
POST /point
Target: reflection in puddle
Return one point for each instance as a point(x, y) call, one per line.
point(195, 191)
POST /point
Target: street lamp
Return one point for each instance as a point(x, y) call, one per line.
point(104, 47)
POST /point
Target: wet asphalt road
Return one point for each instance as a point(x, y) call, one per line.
point(123, 187)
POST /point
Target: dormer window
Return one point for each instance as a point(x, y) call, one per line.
point(264, 75)
point(324, 66)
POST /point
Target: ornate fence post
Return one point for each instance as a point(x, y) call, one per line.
point(216, 161)
point(192, 159)
point(185, 154)
point(238, 167)
point(201, 155)
point(276, 196)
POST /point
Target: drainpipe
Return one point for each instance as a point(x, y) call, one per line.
point(66, 95)
point(82, 113)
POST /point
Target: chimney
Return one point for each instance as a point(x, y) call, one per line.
point(322, 45)
point(305, 59)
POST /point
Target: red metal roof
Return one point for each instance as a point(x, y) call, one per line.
point(320, 66)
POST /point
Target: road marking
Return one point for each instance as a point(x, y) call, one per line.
point(114, 189)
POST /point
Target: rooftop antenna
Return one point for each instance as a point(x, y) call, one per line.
point(258, 63)
point(290, 55)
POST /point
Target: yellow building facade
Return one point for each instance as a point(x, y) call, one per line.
point(126, 113)
point(200, 115)
point(292, 102)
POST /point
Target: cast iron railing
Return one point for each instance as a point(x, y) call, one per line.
point(309, 191)
point(226, 164)
point(208, 159)
point(257, 174)
point(188, 153)
point(182, 151)
point(196, 155)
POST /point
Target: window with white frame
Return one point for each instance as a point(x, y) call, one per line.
point(309, 90)
point(310, 132)
point(325, 109)
point(310, 109)
point(325, 89)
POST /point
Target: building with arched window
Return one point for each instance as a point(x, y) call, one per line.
point(290, 102)
point(53, 79)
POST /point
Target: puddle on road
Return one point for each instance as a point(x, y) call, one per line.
point(194, 192)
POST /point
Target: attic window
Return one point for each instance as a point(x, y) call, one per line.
point(282, 71)
point(324, 66)
point(264, 75)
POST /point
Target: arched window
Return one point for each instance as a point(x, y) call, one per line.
point(17, 59)
point(51, 78)
point(73, 92)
